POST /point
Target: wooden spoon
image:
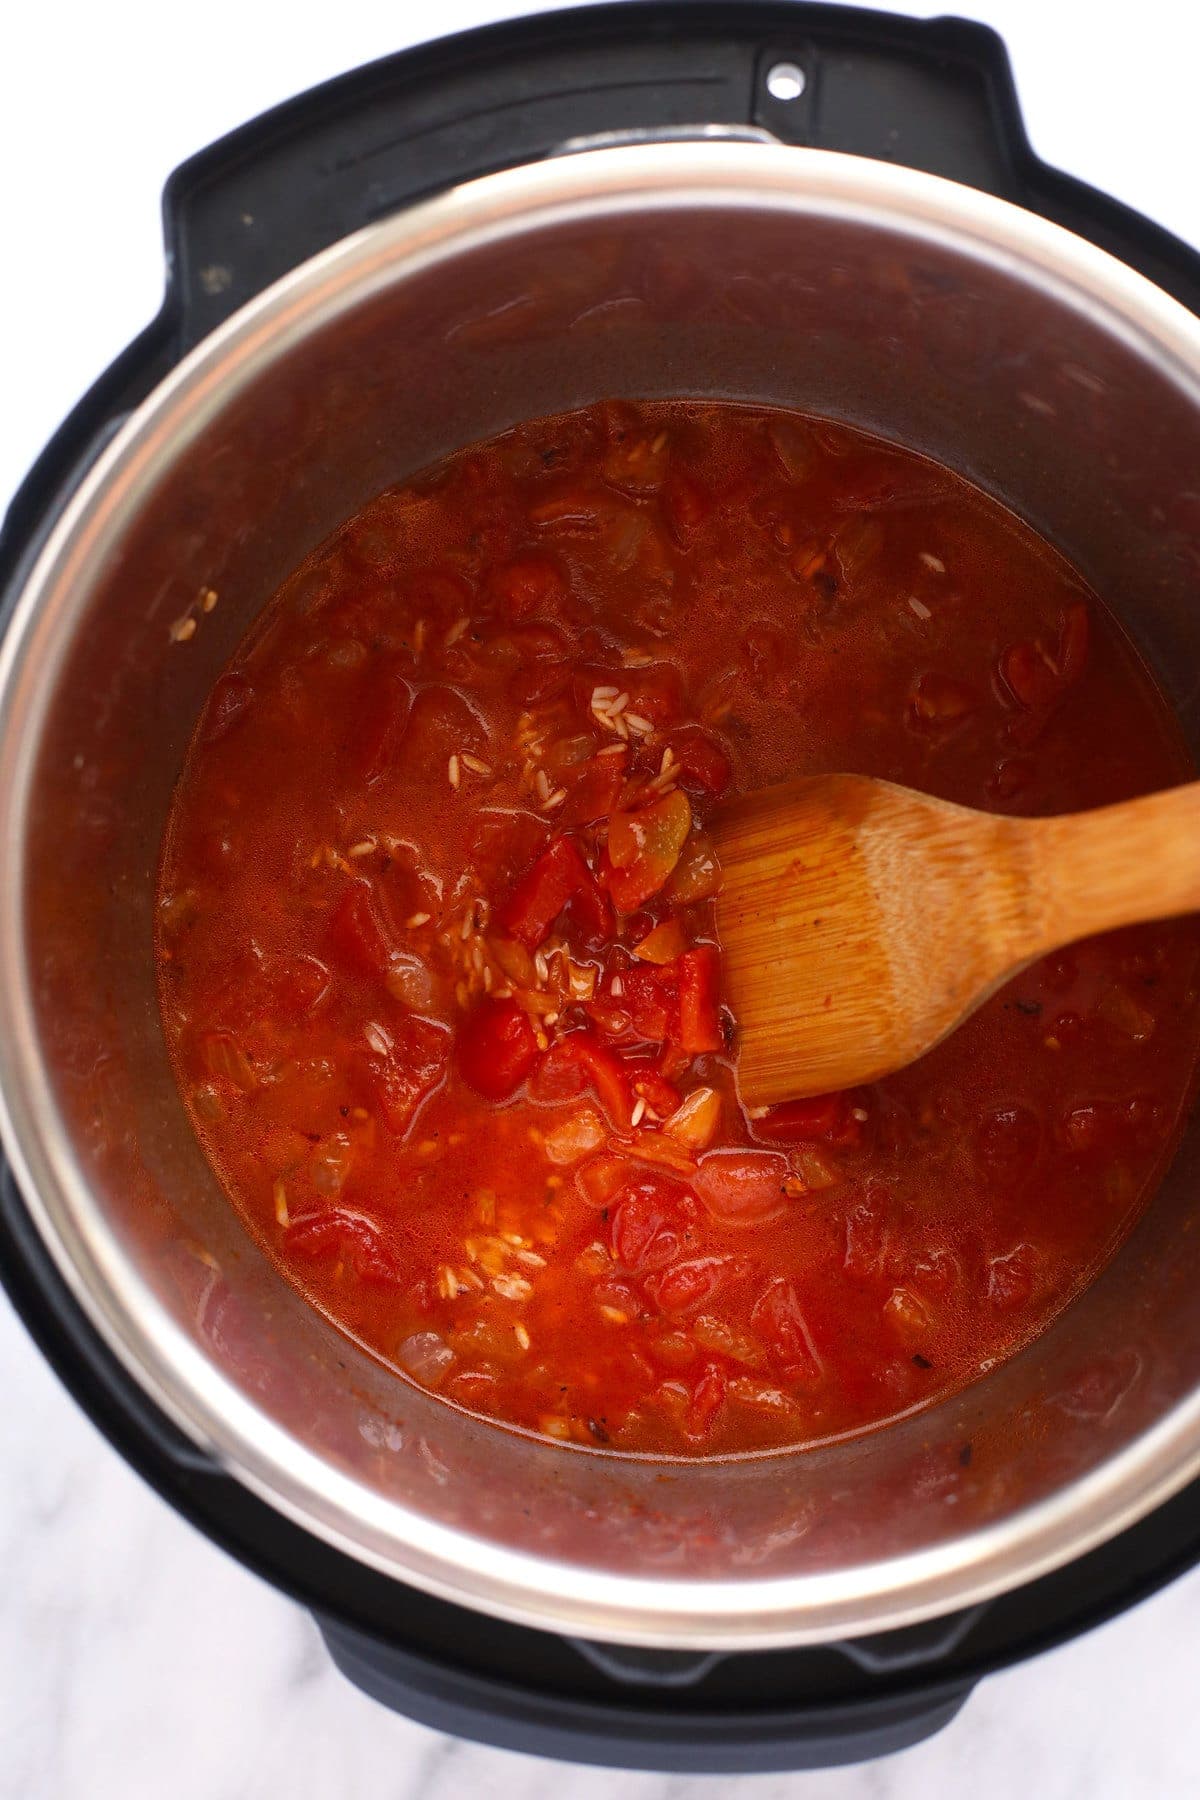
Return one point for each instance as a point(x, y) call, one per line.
point(862, 922)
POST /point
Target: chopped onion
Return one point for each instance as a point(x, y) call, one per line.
point(574, 1137)
point(816, 1172)
point(715, 1334)
point(663, 944)
point(908, 1312)
point(426, 1357)
point(695, 1122)
point(410, 981)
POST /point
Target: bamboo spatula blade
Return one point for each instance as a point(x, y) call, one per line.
point(861, 922)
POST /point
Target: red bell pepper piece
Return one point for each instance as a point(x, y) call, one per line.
point(344, 1232)
point(399, 1082)
point(699, 973)
point(703, 765)
point(824, 1118)
point(559, 880)
point(580, 1061)
point(356, 934)
point(496, 1049)
point(651, 999)
point(654, 1088)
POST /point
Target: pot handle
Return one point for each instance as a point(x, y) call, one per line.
point(934, 94)
point(629, 1709)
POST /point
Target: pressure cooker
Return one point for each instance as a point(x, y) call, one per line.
point(771, 202)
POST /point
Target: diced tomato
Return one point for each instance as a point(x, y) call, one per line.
point(356, 935)
point(442, 724)
point(342, 1232)
point(673, 1062)
point(778, 1320)
point(687, 505)
point(1037, 677)
point(651, 999)
point(505, 846)
point(704, 767)
point(297, 985)
point(531, 589)
point(559, 881)
point(699, 973)
point(655, 691)
point(708, 1396)
point(687, 1285)
point(497, 1048)
point(654, 1089)
point(399, 1081)
point(610, 1019)
point(580, 1061)
point(593, 789)
point(643, 848)
point(743, 1187)
point(650, 1218)
point(823, 1119)
point(378, 724)
point(1029, 675)
point(939, 703)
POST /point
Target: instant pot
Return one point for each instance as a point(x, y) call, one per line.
point(813, 206)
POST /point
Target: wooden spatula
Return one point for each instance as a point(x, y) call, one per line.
point(862, 922)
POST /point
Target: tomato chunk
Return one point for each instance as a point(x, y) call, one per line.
point(650, 1218)
point(378, 726)
point(654, 1088)
point(743, 1187)
point(559, 881)
point(345, 1233)
point(496, 1048)
point(651, 999)
point(825, 1118)
point(402, 1078)
point(580, 1061)
point(704, 768)
point(357, 936)
point(531, 589)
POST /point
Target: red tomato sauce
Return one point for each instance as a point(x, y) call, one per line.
point(439, 971)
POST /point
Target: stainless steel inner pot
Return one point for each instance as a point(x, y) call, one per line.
point(946, 320)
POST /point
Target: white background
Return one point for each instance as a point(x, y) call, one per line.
point(137, 1662)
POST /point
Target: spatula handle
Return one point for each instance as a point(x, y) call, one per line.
point(1119, 865)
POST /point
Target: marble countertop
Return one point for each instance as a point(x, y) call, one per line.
point(137, 1662)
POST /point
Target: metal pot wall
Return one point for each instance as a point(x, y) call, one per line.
point(944, 318)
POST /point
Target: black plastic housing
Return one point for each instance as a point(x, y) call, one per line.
point(935, 95)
